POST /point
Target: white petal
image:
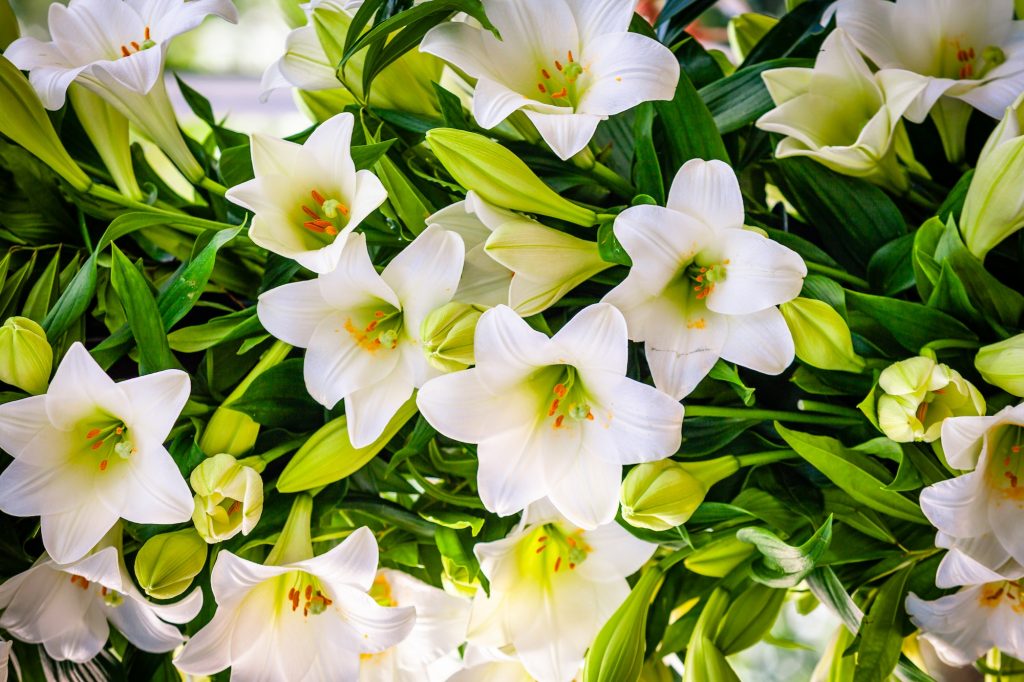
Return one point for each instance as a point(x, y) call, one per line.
point(960, 567)
point(760, 341)
point(962, 439)
point(271, 156)
point(993, 97)
point(352, 563)
point(158, 493)
point(587, 492)
point(141, 627)
point(466, 47)
point(331, 144)
point(27, 489)
point(463, 408)
point(660, 242)
point(426, 273)
point(20, 421)
point(209, 650)
point(337, 365)
point(646, 424)
point(460, 219)
point(157, 400)
point(566, 134)
point(80, 644)
point(614, 554)
point(507, 349)
point(67, 536)
point(1003, 517)
point(760, 273)
point(376, 627)
point(595, 339)
point(511, 470)
point(292, 312)
point(594, 18)
point(78, 385)
point(957, 506)
point(355, 282)
point(870, 24)
point(233, 577)
point(304, 63)
point(484, 280)
point(370, 409)
point(1006, 628)
point(546, 28)
point(441, 619)
point(493, 102)
point(627, 69)
point(369, 195)
point(708, 191)
point(953, 625)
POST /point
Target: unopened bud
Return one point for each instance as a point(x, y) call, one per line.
point(229, 498)
point(229, 432)
point(719, 558)
point(167, 563)
point(446, 336)
point(821, 336)
point(664, 494)
point(1002, 365)
point(617, 652)
point(918, 395)
point(25, 355)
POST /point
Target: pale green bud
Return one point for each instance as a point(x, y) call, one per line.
point(107, 128)
point(821, 335)
point(446, 336)
point(918, 395)
point(746, 30)
point(994, 206)
point(1002, 364)
point(655, 671)
point(229, 432)
point(329, 455)
point(617, 652)
point(719, 558)
point(664, 494)
point(25, 121)
point(167, 563)
point(500, 177)
point(705, 662)
point(25, 355)
point(749, 618)
point(229, 498)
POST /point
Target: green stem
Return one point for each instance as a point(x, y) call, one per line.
point(774, 415)
point(437, 493)
point(767, 457)
point(211, 185)
point(274, 355)
point(942, 344)
point(612, 180)
point(294, 543)
point(837, 274)
point(827, 408)
point(260, 462)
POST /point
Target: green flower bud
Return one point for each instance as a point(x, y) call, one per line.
point(167, 563)
point(821, 336)
point(229, 432)
point(664, 494)
point(746, 30)
point(749, 618)
point(229, 498)
point(329, 456)
point(1002, 365)
point(25, 121)
point(447, 335)
point(25, 355)
point(500, 177)
point(618, 650)
point(705, 662)
point(107, 128)
point(918, 395)
point(719, 558)
point(655, 671)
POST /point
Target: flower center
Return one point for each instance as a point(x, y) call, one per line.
point(557, 84)
point(969, 66)
point(382, 331)
point(993, 594)
point(223, 509)
point(568, 402)
point(1004, 469)
point(110, 597)
point(107, 440)
point(705, 277)
point(134, 46)
point(306, 591)
point(549, 549)
point(381, 591)
point(323, 216)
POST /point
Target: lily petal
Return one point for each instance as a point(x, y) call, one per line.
point(708, 191)
point(760, 341)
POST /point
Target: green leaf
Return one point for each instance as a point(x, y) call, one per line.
point(608, 245)
point(880, 635)
point(73, 302)
point(689, 129)
point(742, 98)
point(37, 302)
point(455, 520)
point(408, 203)
point(222, 329)
point(782, 564)
point(646, 167)
point(199, 105)
point(891, 268)
point(271, 399)
point(183, 291)
point(451, 109)
point(912, 325)
point(142, 313)
point(830, 591)
point(860, 477)
point(723, 371)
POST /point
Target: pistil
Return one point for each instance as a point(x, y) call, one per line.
point(322, 216)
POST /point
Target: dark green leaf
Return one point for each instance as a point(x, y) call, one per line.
point(913, 325)
point(689, 129)
point(271, 399)
point(143, 316)
point(742, 98)
point(73, 302)
point(880, 635)
point(891, 268)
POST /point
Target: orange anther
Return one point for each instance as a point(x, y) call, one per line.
point(543, 90)
point(317, 197)
point(590, 416)
point(103, 465)
point(379, 314)
point(561, 94)
point(119, 430)
point(310, 212)
point(235, 507)
point(553, 408)
point(558, 420)
point(541, 549)
point(309, 592)
point(145, 34)
point(558, 563)
point(314, 227)
point(542, 538)
point(97, 445)
point(92, 434)
point(545, 73)
point(136, 46)
point(560, 390)
point(558, 65)
point(125, 52)
point(1015, 449)
point(970, 53)
point(572, 566)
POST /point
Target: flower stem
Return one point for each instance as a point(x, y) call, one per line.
point(775, 415)
point(211, 185)
point(837, 274)
point(942, 344)
point(612, 180)
point(274, 355)
point(767, 457)
point(827, 408)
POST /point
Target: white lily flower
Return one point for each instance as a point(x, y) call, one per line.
point(117, 48)
point(430, 652)
point(515, 260)
point(309, 619)
point(553, 417)
point(964, 626)
point(965, 54)
point(307, 198)
point(68, 608)
point(567, 64)
point(978, 513)
point(89, 451)
point(362, 329)
point(702, 287)
point(553, 585)
point(840, 114)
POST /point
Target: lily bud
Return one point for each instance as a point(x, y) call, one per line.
point(167, 563)
point(329, 455)
point(25, 355)
point(720, 558)
point(664, 494)
point(229, 432)
point(918, 395)
point(618, 650)
point(821, 335)
point(229, 498)
point(446, 336)
point(1002, 365)
point(107, 128)
point(25, 121)
point(500, 177)
point(705, 662)
point(655, 671)
point(994, 206)
point(749, 618)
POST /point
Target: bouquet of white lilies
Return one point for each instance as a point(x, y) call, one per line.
point(401, 397)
